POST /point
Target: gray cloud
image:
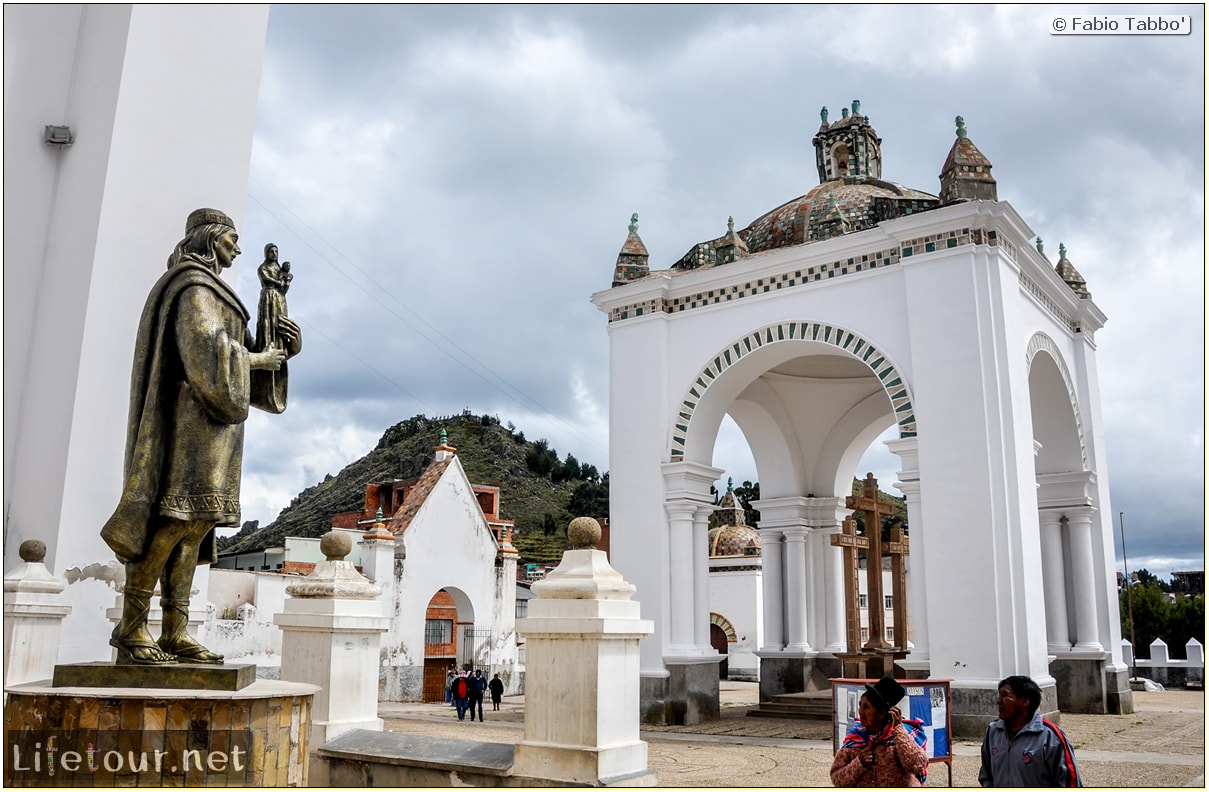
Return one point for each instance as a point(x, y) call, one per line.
point(453, 183)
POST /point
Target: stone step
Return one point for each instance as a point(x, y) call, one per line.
point(812, 705)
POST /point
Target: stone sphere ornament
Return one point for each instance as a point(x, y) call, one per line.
point(32, 551)
point(335, 545)
point(584, 533)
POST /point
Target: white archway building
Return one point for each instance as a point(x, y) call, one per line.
point(859, 307)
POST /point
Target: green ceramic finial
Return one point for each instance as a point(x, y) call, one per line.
point(1061, 250)
point(444, 437)
point(961, 127)
point(843, 112)
point(378, 516)
point(730, 485)
point(633, 222)
point(730, 225)
point(1040, 245)
point(856, 106)
point(823, 114)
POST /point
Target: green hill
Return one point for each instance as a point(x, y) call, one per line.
point(536, 487)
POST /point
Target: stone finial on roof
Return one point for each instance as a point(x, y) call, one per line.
point(823, 115)
point(730, 484)
point(633, 262)
point(966, 174)
point(856, 107)
point(731, 246)
point(1067, 272)
point(843, 113)
point(1040, 246)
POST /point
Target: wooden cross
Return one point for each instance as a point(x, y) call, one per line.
point(874, 510)
point(898, 548)
point(850, 544)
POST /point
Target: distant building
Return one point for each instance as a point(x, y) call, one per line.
point(448, 578)
point(1188, 582)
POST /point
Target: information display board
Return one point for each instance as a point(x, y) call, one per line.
point(927, 700)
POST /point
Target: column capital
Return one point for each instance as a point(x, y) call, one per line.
point(690, 480)
point(681, 508)
point(1066, 490)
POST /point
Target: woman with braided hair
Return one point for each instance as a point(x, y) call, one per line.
point(879, 751)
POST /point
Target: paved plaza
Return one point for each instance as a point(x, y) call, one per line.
point(1162, 744)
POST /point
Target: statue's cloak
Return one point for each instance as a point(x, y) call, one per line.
point(190, 390)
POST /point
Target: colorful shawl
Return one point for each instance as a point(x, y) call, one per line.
point(857, 737)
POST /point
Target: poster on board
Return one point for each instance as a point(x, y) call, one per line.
point(927, 700)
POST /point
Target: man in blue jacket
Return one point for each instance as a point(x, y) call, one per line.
point(1023, 749)
point(478, 684)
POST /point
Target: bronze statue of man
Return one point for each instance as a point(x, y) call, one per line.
point(197, 370)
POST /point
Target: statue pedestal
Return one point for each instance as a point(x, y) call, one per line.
point(581, 688)
point(87, 736)
point(871, 665)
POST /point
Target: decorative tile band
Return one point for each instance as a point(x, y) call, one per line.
point(862, 350)
point(1040, 342)
point(953, 238)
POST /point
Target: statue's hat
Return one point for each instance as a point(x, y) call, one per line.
point(201, 217)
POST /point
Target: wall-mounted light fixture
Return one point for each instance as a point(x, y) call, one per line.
point(58, 135)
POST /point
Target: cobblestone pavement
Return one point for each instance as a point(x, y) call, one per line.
point(1162, 744)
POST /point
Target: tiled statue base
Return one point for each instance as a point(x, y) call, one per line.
point(257, 736)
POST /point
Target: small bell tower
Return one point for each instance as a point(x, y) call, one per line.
point(848, 148)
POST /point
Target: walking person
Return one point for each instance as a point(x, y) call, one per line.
point(460, 689)
point(497, 692)
point(879, 750)
point(478, 685)
point(1023, 749)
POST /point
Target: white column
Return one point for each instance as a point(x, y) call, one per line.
point(833, 574)
point(795, 589)
point(1083, 578)
point(1053, 575)
point(907, 450)
point(680, 576)
point(701, 578)
point(772, 551)
point(816, 586)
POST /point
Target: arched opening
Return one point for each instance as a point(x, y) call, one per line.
point(1064, 502)
point(449, 640)
point(802, 409)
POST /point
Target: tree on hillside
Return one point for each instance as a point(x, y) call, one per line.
point(590, 499)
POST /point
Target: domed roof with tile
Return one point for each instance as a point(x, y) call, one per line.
point(733, 537)
point(851, 196)
point(733, 540)
point(834, 207)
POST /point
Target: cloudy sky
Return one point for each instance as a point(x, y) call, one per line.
point(453, 183)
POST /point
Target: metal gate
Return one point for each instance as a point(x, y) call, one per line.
point(474, 650)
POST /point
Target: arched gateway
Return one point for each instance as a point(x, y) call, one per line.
point(860, 306)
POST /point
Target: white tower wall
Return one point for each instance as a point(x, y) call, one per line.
point(162, 101)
